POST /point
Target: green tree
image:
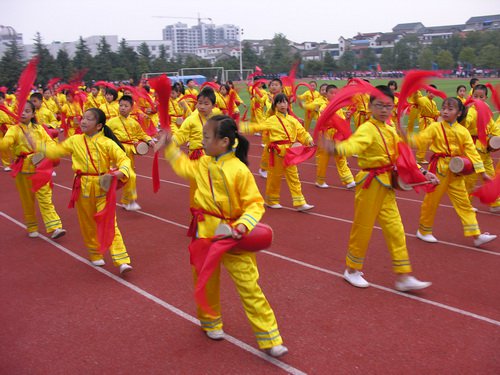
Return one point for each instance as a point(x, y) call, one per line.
point(445, 60)
point(83, 59)
point(329, 64)
point(425, 59)
point(104, 61)
point(250, 58)
point(313, 67)
point(467, 56)
point(406, 52)
point(347, 61)
point(367, 60)
point(144, 58)
point(278, 55)
point(387, 59)
point(64, 65)
point(489, 57)
point(46, 63)
point(128, 60)
point(11, 65)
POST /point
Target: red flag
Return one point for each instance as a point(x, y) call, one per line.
point(489, 192)
point(156, 173)
point(25, 84)
point(484, 115)
point(413, 81)
point(105, 219)
point(299, 154)
point(163, 88)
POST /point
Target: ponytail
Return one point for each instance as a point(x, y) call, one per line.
point(226, 127)
point(101, 119)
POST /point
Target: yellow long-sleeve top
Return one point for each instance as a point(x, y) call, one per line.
point(6, 121)
point(471, 124)
point(110, 109)
point(44, 116)
point(128, 131)
point(15, 138)
point(103, 153)
point(237, 97)
point(368, 144)
point(93, 102)
point(362, 101)
point(225, 187)
point(330, 132)
point(257, 104)
point(223, 104)
point(459, 140)
point(317, 105)
point(428, 109)
point(72, 110)
point(51, 105)
point(191, 130)
point(175, 110)
point(191, 102)
point(276, 126)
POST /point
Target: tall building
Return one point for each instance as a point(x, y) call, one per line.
point(7, 35)
point(187, 39)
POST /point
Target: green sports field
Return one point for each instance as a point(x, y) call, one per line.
point(448, 85)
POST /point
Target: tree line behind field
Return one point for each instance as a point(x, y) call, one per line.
point(474, 50)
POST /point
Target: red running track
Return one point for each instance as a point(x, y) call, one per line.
point(60, 315)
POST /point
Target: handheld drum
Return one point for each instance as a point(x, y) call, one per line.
point(494, 143)
point(461, 165)
point(37, 158)
point(142, 148)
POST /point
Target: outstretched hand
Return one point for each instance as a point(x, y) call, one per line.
point(432, 178)
point(164, 139)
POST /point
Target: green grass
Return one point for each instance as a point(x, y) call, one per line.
point(448, 85)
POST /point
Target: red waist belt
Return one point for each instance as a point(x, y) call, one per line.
point(77, 186)
point(17, 165)
point(199, 215)
point(434, 160)
point(275, 146)
point(372, 172)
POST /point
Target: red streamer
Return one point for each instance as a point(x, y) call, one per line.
point(484, 116)
point(489, 192)
point(163, 88)
point(105, 219)
point(25, 83)
point(156, 173)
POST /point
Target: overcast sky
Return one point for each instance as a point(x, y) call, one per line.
point(299, 20)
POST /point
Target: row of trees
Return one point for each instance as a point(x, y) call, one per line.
point(475, 49)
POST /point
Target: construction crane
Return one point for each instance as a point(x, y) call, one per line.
point(187, 18)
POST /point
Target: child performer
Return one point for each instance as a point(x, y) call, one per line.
point(480, 92)
point(323, 156)
point(191, 91)
point(223, 102)
point(428, 114)
point(6, 121)
point(447, 139)
point(227, 193)
point(284, 130)
point(94, 99)
point(111, 106)
point(72, 113)
point(43, 115)
point(375, 142)
point(461, 93)
point(93, 154)
point(307, 98)
point(22, 139)
point(129, 132)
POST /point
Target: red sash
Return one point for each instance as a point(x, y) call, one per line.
point(372, 172)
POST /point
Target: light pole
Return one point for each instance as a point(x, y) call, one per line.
point(241, 54)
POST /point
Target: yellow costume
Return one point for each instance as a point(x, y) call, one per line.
point(73, 113)
point(227, 187)
point(428, 113)
point(309, 97)
point(110, 109)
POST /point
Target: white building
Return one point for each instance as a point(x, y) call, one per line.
point(7, 35)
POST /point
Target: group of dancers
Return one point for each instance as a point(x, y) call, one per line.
point(103, 127)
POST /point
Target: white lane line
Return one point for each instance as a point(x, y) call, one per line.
point(240, 344)
point(393, 291)
point(317, 268)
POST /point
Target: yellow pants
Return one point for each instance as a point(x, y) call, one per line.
point(86, 208)
point(309, 117)
point(412, 117)
point(423, 122)
point(264, 159)
point(129, 193)
point(455, 187)
point(377, 203)
point(471, 179)
point(322, 159)
point(242, 267)
point(50, 217)
point(5, 156)
point(273, 183)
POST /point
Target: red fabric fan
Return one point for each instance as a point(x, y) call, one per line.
point(163, 87)
point(231, 103)
point(213, 85)
point(495, 96)
point(344, 98)
point(106, 84)
point(42, 175)
point(105, 219)
point(299, 154)
point(25, 84)
point(413, 81)
point(408, 170)
point(434, 91)
point(257, 83)
point(484, 115)
point(489, 192)
point(52, 82)
point(77, 78)
point(293, 98)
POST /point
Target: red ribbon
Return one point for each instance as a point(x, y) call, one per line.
point(17, 165)
point(156, 173)
point(299, 154)
point(43, 175)
point(196, 154)
point(105, 219)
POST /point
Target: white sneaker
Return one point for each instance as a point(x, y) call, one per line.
point(33, 234)
point(218, 334)
point(133, 206)
point(304, 207)
point(277, 205)
point(426, 237)
point(54, 174)
point(495, 210)
point(58, 233)
point(125, 268)
point(356, 279)
point(98, 263)
point(277, 351)
point(484, 238)
point(7, 169)
point(351, 185)
point(474, 209)
point(324, 185)
point(263, 173)
point(411, 283)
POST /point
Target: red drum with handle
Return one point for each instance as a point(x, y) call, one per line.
point(494, 143)
point(461, 165)
point(260, 238)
